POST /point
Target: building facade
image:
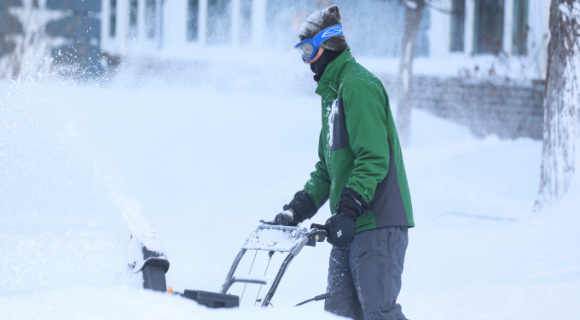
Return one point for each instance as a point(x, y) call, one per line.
point(481, 63)
point(450, 28)
point(147, 27)
point(512, 28)
point(474, 58)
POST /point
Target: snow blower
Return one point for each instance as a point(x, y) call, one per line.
point(147, 256)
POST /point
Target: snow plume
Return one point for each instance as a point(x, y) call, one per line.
point(41, 168)
point(130, 209)
point(31, 57)
point(51, 168)
point(57, 226)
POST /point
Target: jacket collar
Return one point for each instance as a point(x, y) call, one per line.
point(330, 80)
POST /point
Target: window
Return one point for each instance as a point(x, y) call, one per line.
point(245, 21)
point(219, 21)
point(113, 19)
point(520, 27)
point(133, 15)
point(457, 26)
point(192, 20)
point(150, 18)
point(488, 26)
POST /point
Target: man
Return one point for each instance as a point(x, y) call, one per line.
point(360, 172)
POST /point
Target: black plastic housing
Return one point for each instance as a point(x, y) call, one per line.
point(213, 299)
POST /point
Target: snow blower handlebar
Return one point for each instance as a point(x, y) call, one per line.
point(270, 237)
point(317, 232)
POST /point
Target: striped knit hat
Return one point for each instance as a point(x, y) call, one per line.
point(319, 21)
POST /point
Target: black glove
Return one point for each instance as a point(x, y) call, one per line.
point(285, 218)
point(342, 226)
point(341, 229)
point(302, 207)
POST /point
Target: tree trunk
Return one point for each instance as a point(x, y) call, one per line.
point(562, 102)
point(413, 16)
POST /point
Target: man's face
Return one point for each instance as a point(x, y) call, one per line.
point(318, 54)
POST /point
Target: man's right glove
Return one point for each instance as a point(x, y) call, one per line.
point(302, 207)
point(342, 226)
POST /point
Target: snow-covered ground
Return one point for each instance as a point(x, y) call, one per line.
point(205, 155)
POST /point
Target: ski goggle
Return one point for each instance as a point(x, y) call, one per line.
point(309, 47)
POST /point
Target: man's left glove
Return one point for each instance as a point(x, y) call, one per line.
point(285, 218)
point(342, 226)
point(302, 207)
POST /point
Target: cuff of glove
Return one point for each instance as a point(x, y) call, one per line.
point(351, 203)
point(303, 206)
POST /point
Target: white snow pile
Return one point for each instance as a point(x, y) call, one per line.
point(204, 162)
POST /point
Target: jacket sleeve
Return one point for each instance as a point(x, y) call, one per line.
point(318, 187)
point(366, 122)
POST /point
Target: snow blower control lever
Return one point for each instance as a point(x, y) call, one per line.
point(317, 233)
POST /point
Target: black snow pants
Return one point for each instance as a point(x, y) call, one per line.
point(364, 278)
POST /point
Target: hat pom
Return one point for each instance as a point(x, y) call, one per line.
point(334, 11)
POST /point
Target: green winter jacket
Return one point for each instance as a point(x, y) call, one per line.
point(359, 147)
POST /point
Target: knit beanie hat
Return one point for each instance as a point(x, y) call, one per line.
point(319, 21)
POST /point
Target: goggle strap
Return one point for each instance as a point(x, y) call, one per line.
point(328, 33)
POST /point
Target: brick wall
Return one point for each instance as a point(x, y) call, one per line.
point(510, 109)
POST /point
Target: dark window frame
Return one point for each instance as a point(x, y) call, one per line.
point(245, 27)
point(489, 20)
point(193, 20)
point(134, 18)
point(457, 32)
point(219, 22)
point(151, 19)
point(112, 18)
point(520, 27)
